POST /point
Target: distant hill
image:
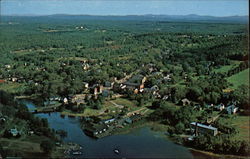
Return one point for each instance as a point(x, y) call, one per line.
point(149, 17)
point(173, 18)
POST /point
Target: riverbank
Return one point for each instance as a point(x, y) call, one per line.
point(198, 154)
point(157, 127)
point(154, 126)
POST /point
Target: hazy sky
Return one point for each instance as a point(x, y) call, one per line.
point(125, 7)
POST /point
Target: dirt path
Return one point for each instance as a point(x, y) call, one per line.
point(117, 105)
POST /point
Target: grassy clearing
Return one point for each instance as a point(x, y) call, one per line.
point(242, 123)
point(108, 105)
point(239, 78)
point(29, 146)
point(94, 112)
point(12, 87)
point(25, 146)
point(226, 68)
point(223, 69)
point(124, 102)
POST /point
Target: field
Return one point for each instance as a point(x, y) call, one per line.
point(12, 87)
point(239, 78)
point(242, 123)
point(29, 146)
point(226, 68)
point(113, 106)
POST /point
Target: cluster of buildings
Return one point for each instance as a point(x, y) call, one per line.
point(136, 84)
point(230, 109)
point(198, 128)
point(106, 127)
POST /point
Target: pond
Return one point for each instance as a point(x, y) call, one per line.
point(140, 143)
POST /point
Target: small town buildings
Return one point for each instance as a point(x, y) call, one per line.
point(55, 98)
point(85, 66)
point(135, 117)
point(7, 66)
point(154, 89)
point(14, 132)
point(220, 107)
point(79, 99)
point(165, 97)
point(198, 128)
point(96, 89)
point(108, 85)
point(14, 79)
point(65, 100)
point(109, 121)
point(167, 78)
point(232, 109)
point(209, 105)
point(85, 85)
point(185, 102)
point(128, 121)
point(107, 93)
point(136, 83)
point(97, 130)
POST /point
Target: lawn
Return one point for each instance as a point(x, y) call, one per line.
point(124, 102)
point(223, 69)
point(28, 146)
point(226, 68)
point(239, 78)
point(242, 124)
point(94, 112)
point(108, 105)
point(12, 87)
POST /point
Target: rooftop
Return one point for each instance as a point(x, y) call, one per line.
point(203, 126)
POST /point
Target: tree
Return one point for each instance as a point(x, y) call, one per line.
point(47, 146)
point(2, 152)
point(241, 94)
point(244, 148)
point(179, 128)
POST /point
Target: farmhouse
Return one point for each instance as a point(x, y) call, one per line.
point(96, 89)
point(198, 128)
point(85, 85)
point(220, 107)
point(79, 99)
point(136, 83)
point(14, 132)
point(232, 109)
point(109, 121)
point(185, 102)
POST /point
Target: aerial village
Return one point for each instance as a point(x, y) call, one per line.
point(109, 119)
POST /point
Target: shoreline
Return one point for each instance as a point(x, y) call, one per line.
point(197, 154)
point(157, 127)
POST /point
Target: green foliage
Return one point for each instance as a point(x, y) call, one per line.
point(241, 94)
point(221, 144)
point(47, 146)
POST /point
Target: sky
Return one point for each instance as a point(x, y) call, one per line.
point(125, 7)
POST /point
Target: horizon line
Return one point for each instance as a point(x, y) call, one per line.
point(120, 15)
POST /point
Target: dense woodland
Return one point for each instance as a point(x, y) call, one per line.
point(51, 56)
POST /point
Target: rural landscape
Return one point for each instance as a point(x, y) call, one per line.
point(87, 86)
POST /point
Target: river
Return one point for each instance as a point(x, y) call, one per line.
point(140, 143)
